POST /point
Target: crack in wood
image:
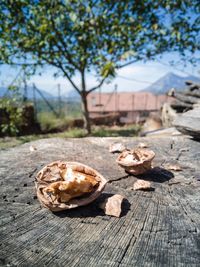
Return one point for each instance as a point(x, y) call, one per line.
point(32, 172)
point(181, 152)
point(184, 210)
point(172, 144)
point(180, 182)
point(118, 179)
point(136, 238)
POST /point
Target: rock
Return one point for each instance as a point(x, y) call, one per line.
point(112, 205)
point(189, 123)
point(141, 185)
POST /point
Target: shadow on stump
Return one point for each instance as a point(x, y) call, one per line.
point(93, 210)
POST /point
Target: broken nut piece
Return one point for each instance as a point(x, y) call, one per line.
point(32, 148)
point(63, 191)
point(117, 148)
point(141, 185)
point(173, 167)
point(142, 145)
point(112, 205)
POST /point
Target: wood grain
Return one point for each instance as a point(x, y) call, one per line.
point(157, 228)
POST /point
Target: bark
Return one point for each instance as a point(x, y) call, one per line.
point(87, 122)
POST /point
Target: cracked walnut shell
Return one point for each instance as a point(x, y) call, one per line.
point(66, 185)
point(136, 161)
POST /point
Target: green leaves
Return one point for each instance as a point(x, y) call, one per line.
point(12, 110)
point(73, 16)
point(128, 54)
point(108, 70)
point(75, 35)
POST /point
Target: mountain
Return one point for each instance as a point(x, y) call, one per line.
point(4, 92)
point(170, 80)
point(71, 96)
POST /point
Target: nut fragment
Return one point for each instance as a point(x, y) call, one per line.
point(141, 185)
point(173, 167)
point(63, 191)
point(112, 205)
point(142, 145)
point(116, 148)
point(52, 174)
point(32, 148)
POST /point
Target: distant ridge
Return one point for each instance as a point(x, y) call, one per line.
point(72, 96)
point(4, 92)
point(168, 81)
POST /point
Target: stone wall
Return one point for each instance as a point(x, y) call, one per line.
point(28, 123)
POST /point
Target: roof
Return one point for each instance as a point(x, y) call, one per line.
point(125, 101)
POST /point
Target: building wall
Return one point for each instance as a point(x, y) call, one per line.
point(127, 117)
point(133, 107)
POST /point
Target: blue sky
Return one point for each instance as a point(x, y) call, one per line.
point(134, 77)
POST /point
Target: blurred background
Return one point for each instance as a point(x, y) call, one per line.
point(100, 68)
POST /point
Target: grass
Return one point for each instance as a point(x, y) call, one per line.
point(115, 131)
point(103, 131)
point(49, 122)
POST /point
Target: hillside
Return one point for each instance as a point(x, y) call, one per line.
point(170, 80)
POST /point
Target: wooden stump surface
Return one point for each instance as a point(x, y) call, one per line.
point(157, 228)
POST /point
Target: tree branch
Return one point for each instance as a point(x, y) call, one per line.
point(19, 64)
point(126, 64)
point(68, 56)
point(68, 77)
point(59, 65)
point(95, 87)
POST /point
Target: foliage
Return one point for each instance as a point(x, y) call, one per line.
point(77, 36)
point(11, 117)
point(115, 131)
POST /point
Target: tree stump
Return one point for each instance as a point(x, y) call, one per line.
point(159, 227)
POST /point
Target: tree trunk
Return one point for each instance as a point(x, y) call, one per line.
point(87, 122)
